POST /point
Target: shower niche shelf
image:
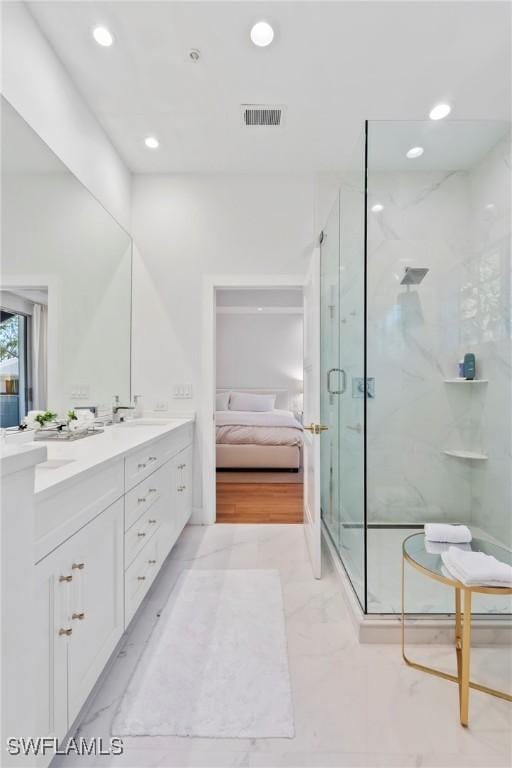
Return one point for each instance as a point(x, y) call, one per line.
point(466, 381)
point(473, 455)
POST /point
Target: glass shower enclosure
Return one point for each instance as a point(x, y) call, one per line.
point(415, 274)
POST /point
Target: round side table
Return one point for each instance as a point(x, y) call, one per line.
point(431, 565)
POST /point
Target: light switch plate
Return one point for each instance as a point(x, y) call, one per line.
point(182, 391)
point(80, 392)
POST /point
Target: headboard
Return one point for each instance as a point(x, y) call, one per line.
point(283, 396)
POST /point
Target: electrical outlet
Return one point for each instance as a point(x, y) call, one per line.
point(162, 405)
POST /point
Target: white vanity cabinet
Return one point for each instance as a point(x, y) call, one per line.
point(80, 612)
point(99, 544)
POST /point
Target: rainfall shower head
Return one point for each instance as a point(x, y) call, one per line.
point(413, 275)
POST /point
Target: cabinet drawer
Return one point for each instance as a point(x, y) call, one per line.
point(141, 464)
point(139, 534)
point(139, 577)
point(145, 494)
point(177, 441)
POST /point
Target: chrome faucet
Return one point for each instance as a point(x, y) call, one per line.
point(116, 407)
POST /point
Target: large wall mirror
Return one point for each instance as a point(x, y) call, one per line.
point(65, 285)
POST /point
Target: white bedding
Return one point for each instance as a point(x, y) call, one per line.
point(275, 427)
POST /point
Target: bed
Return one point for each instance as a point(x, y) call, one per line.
point(259, 440)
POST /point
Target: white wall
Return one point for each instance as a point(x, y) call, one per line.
point(187, 226)
point(36, 84)
point(259, 350)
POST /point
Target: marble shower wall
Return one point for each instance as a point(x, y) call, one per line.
point(456, 224)
point(485, 323)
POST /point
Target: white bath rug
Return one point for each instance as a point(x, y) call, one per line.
point(217, 663)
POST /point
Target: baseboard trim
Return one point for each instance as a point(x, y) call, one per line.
point(421, 630)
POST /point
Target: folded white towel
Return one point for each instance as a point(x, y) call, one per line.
point(438, 547)
point(477, 569)
point(454, 534)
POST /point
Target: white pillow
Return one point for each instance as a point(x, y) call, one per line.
point(246, 401)
point(222, 401)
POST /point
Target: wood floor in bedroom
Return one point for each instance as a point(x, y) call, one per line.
point(259, 503)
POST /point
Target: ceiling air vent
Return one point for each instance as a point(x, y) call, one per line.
point(262, 114)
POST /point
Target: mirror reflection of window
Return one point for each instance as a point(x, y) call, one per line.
point(13, 367)
point(23, 344)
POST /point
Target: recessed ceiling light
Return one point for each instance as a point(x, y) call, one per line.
point(102, 36)
point(415, 152)
point(262, 34)
point(260, 309)
point(439, 111)
point(377, 208)
point(151, 142)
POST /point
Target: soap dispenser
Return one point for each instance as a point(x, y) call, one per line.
point(469, 366)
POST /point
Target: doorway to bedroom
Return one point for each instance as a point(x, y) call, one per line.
point(259, 403)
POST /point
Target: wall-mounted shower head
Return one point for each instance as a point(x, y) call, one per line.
point(413, 275)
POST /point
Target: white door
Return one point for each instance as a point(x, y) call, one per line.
point(52, 631)
point(96, 610)
point(312, 426)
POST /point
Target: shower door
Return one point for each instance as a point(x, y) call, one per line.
point(357, 391)
point(343, 390)
point(329, 374)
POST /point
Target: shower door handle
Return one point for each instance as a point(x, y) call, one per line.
point(343, 381)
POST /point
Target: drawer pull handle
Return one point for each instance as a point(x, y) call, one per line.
point(65, 631)
point(141, 534)
point(65, 578)
point(141, 466)
point(152, 458)
point(80, 616)
point(152, 521)
point(153, 490)
point(141, 500)
point(78, 566)
point(141, 578)
point(151, 562)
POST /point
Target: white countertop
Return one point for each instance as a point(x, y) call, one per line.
point(88, 453)
point(15, 457)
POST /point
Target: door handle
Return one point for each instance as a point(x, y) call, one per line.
point(316, 429)
point(343, 381)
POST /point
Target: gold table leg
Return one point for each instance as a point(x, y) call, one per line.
point(458, 637)
point(466, 658)
point(463, 652)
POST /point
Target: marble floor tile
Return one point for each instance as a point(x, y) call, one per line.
point(354, 705)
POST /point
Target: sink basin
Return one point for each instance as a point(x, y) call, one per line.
point(145, 423)
point(54, 463)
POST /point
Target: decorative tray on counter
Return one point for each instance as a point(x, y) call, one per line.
point(65, 435)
